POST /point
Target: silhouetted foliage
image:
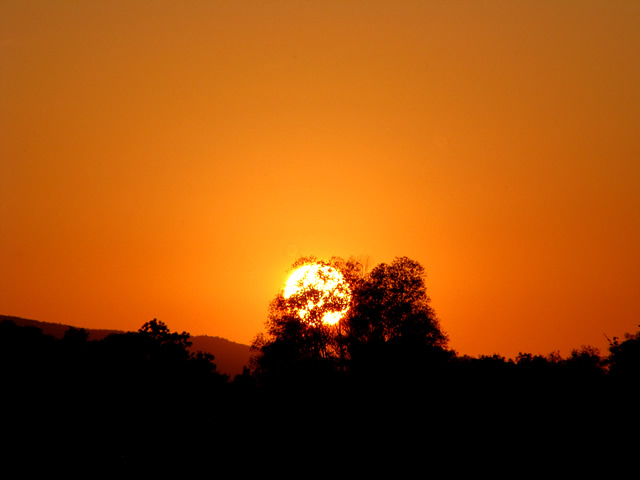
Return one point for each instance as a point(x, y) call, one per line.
point(380, 378)
point(390, 330)
point(127, 396)
point(585, 365)
point(624, 358)
point(303, 349)
point(160, 333)
point(392, 303)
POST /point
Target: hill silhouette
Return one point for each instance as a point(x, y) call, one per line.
point(230, 357)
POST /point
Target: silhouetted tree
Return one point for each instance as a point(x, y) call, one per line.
point(160, 332)
point(295, 349)
point(392, 326)
point(75, 336)
point(624, 358)
point(584, 364)
point(392, 303)
point(291, 349)
point(389, 328)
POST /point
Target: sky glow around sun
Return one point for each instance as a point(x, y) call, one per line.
point(155, 156)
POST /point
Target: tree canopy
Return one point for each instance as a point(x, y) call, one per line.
point(389, 314)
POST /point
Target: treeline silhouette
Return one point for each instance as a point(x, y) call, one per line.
point(114, 398)
point(381, 379)
point(230, 357)
point(142, 395)
point(392, 340)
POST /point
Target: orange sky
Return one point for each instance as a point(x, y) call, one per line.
point(170, 160)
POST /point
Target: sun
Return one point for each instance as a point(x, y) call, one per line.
point(318, 293)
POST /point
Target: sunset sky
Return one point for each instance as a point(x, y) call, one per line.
point(172, 159)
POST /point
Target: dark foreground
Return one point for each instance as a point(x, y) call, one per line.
point(139, 402)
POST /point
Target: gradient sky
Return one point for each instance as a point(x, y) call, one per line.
point(170, 160)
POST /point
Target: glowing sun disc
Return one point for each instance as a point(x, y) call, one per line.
point(328, 292)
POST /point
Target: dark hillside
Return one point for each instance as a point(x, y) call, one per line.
point(230, 357)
